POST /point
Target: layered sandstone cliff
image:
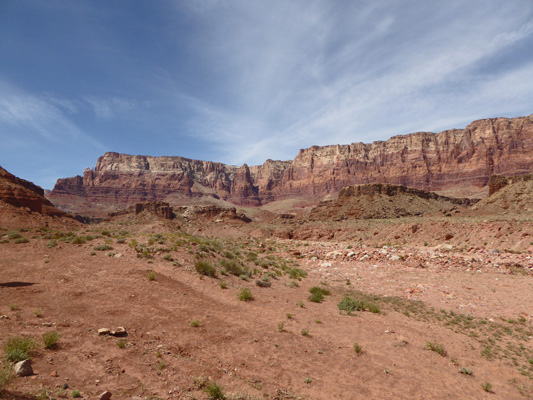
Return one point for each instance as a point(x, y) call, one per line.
point(458, 161)
point(24, 194)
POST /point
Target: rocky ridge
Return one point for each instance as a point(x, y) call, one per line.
point(377, 200)
point(457, 161)
point(21, 193)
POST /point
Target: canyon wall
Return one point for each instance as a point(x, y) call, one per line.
point(458, 161)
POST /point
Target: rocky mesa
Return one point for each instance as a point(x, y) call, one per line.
point(457, 162)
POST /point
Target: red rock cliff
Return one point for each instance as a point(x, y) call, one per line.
point(460, 159)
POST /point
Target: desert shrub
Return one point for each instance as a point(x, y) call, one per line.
point(194, 323)
point(122, 343)
point(437, 348)
point(231, 267)
point(317, 294)
point(214, 391)
point(305, 332)
point(6, 376)
point(205, 268)
point(19, 348)
point(350, 305)
point(103, 247)
point(296, 273)
point(245, 294)
point(75, 393)
point(357, 348)
point(168, 257)
point(50, 339)
point(51, 243)
point(14, 235)
point(21, 240)
point(151, 275)
point(78, 240)
point(487, 387)
point(466, 371)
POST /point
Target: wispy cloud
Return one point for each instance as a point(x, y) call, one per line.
point(298, 74)
point(107, 107)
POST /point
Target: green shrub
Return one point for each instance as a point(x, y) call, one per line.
point(214, 391)
point(357, 348)
point(194, 323)
point(466, 371)
point(231, 267)
point(305, 332)
point(151, 275)
point(14, 235)
point(245, 294)
point(350, 305)
point(75, 393)
point(50, 339)
point(6, 376)
point(205, 268)
point(487, 387)
point(437, 348)
point(18, 348)
point(122, 343)
point(51, 243)
point(21, 240)
point(103, 247)
point(78, 240)
point(317, 294)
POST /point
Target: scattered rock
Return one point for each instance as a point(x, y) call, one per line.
point(23, 368)
point(104, 331)
point(105, 395)
point(54, 374)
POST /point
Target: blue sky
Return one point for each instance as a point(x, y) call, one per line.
point(241, 81)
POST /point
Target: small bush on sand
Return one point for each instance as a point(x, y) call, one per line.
point(245, 294)
point(50, 340)
point(318, 294)
point(437, 348)
point(205, 268)
point(18, 348)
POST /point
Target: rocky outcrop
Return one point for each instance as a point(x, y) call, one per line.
point(498, 182)
point(458, 160)
point(160, 209)
point(24, 194)
point(208, 213)
point(379, 200)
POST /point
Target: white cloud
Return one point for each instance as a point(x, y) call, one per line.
point(298, 74)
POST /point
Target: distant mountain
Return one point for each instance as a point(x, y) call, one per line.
point(457, 162)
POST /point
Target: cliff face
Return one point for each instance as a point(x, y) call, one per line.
point(458, 158)
point(22, 193)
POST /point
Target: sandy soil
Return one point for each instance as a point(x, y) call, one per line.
point(466, 297)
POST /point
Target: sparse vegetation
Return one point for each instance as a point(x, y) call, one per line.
point(214, 391)
point(103, 247)
point(205, 268)
point(75, 393)
point(349, 305)
point(465, 371)
point(122, 343)
point(357, 348)
point(50, 339)
point(151, 275)
point(487, 387)
point(281, 326)
point(318, 294)
point(194, 323)
point(19, 348)
point(436, 347)
point(245, 294)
